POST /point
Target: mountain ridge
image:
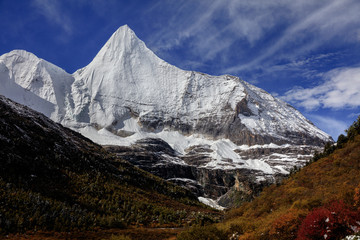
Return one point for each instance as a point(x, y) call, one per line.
point(127, 93)
point(103, 77)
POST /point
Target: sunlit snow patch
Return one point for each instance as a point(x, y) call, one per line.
point(224, 153)
point(210, 202)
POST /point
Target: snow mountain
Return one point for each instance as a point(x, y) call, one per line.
point(36, 83)
point(127, 93)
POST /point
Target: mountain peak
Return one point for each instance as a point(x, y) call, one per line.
point(35, 82)
point(127, 93)
point(121, 43)
point(125, 29)
point(126, 69)
point(19, 56)
point(128, 90)
point(122, 33)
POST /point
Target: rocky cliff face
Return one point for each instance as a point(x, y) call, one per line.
point(229, 186)
point(127, 93)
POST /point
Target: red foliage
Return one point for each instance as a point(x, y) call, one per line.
point(286, 226)
point(334, 221)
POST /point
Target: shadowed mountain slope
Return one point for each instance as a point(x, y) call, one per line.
point(52, 178)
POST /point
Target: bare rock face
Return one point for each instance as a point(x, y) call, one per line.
point(229, 186)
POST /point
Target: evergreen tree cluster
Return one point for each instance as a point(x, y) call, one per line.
point(329, 148)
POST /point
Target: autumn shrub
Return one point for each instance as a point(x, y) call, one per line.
point(285, 227)
point(308, 203)
point(241, 226)
point(331, 222)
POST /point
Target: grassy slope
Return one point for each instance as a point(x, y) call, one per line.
point(279, 210)
point(53, 179)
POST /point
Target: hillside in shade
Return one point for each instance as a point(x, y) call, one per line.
point(54, 179)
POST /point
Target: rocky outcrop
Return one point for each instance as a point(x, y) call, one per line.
point(229, 186)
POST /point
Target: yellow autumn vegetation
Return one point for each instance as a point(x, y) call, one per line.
point(279, 210)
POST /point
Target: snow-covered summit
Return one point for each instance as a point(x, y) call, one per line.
point(127, 80)
point(37, 83)
point(125, 75)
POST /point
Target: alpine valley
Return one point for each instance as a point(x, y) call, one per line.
point(219, 136)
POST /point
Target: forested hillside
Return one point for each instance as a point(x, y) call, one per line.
point(54, 179)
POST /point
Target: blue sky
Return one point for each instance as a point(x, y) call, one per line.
point(306, 52)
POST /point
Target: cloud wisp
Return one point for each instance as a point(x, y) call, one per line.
point(340, 89)
point(244, 35)
point(211, 27)
point(54, 13)
point(309, 28)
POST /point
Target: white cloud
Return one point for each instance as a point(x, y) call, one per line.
point(322, 20)
point(340, 89)
point(315, 59)
point(192, 20)
point(215, 29)
point(53, 12)
point(212, 27)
